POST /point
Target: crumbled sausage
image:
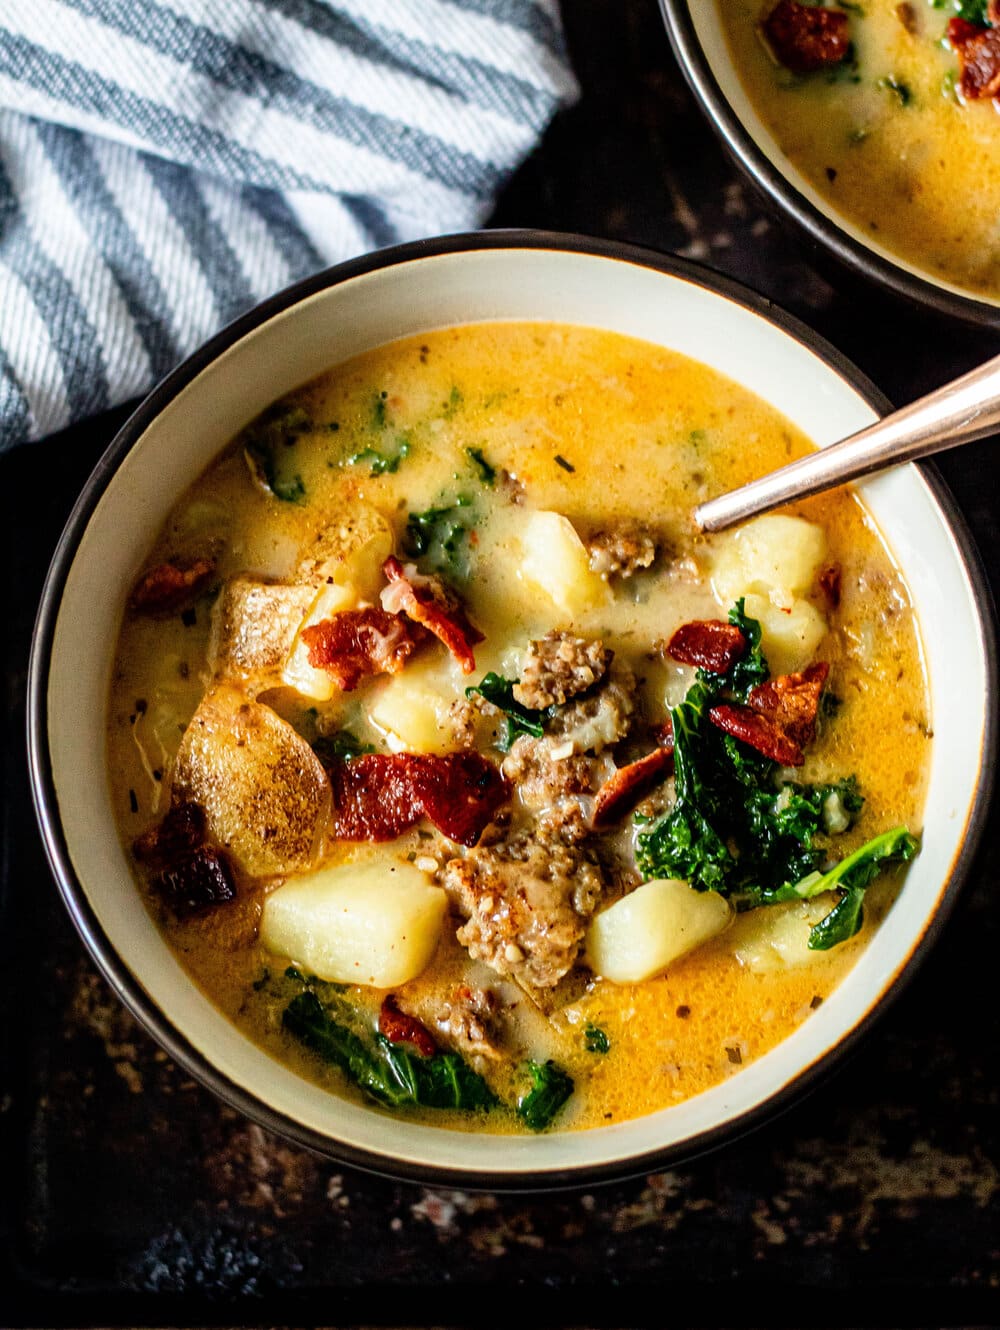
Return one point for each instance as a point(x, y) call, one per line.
point(601, 718)
point(559, 666)
point(622, 549)
point(807, 37)
point(465, 1019)
point(526, 903)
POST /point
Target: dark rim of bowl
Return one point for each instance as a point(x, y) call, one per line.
point(128, 986)
point(821, 227)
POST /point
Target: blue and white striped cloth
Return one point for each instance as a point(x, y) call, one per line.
point(164, 164)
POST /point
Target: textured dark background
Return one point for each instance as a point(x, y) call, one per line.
point(128, 1195)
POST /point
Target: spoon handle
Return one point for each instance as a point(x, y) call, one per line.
point(961, 412)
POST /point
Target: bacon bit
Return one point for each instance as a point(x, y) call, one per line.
point(425, 600)
point(629, 784)
point(805, 38)
point(202, 880)
point(978, 51)
point(377, 796)
point(759, 731)
point(829, 583)
point(178, 835)
point(708, 643)
point(373, 797)
point(460, 793)
point(792, 701)
point(168, 586)
point(664, 734)
point(399, 1028)
point(356, 643)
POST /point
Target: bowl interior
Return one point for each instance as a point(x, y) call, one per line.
point(697, 30)
point(200, 410)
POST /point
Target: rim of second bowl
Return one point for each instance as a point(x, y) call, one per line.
point(128, 986)
point(779, 185)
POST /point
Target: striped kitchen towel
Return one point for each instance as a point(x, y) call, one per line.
point(164, 164)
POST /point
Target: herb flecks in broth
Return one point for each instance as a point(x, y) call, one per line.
point(432, 695)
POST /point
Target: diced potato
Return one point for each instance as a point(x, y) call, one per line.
point(774, 555)
point(554, 559)
point(789, 638)
point(776, 937)
point(253, 626)
point(352, 552)
point(373, 922)
point(297, 673)
point(645, 931)
point(412, 711)
point(265, 794)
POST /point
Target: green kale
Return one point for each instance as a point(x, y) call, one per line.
point(851, 877)
point(595, 1040)
point(737, 826)
point(440, 536)
point(264, 441)
point(381, 463)
point(339, 746)
point(389, 1073)
point(900, 90)
point(550, 1088)
point(973, 11)
point(517, 719)
point(487, 473)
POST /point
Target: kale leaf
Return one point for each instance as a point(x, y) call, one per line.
point(517, 719)
point(277, 428)
point(440, 536)
point(381, 464)
point(339, 746)
point(550, 1088)
point(595, 1040)
point(387, 1072)
point(739, 828)
point(487, 473)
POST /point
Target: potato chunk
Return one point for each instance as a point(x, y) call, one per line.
point(265, 795)
point(352, 551)
point(253, 627)
point(776, 937)
point(555, 560)
point(789, 638)
point(297, 673)
point(645, 931)
point(373, 922)
point(774, 555)
point(413, 711)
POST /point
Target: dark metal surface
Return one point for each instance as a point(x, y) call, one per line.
point(128, 1195)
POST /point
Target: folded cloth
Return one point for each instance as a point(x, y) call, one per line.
point(163, 166)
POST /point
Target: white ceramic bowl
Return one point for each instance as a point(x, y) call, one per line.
point(699, 43)
point(289, 340)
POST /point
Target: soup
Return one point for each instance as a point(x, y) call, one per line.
point(468, 779)
point(893, 125)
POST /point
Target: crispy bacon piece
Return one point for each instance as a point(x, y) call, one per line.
point(377, 796)
point(807, 37)
point(759, 731)
point(780, 716)
point(198, 882)
point(399, 1028)
point(168, 586)
point(425, 600)
point(622, 791)
point(708, 643)
point(792, 701)
point(356, 643)
point(178, 835)
point(978, 51)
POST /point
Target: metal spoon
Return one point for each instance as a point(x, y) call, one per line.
point(962, 411)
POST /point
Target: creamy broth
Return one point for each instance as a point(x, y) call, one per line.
point(886, 138)
point(494, 424)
